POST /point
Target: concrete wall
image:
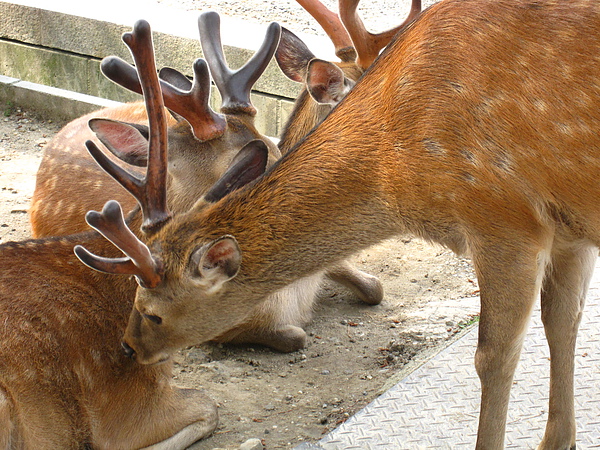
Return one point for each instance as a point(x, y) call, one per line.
point(59, 44)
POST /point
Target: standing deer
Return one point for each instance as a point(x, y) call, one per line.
point(476, 128)
point(198, 155)
point(64, 380)
point(326, 83)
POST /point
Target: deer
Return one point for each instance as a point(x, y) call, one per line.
point(199, 153)
point(475, 128)
point(64, 380)
point(325, 83)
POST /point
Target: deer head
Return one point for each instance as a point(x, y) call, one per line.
point(151, 190)
point(326, 83)
point(141, 318)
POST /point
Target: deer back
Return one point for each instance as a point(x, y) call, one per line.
point(60, 200)
point(58, 336)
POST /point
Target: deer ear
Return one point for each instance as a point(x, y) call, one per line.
point(127, 141)
point(175, 78)
point(248, 164)
point(293, 56)
point(326, 82)
point(218, 261)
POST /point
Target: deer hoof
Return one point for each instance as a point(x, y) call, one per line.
point(370, 291)
point(288, 339)
point(285, 339)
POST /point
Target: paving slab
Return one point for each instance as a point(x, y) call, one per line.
point(436, 406)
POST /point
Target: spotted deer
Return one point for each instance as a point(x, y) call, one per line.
point(325, 83)
point(65, 382)
point(198, 155)
point(477, 128)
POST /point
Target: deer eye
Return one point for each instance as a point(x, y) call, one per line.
point(155, 319)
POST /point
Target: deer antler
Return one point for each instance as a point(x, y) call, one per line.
point(189, 100)
point(151, 191)
point(234, 86)
point(139, 261)
point(368, 45)
point(333, 27)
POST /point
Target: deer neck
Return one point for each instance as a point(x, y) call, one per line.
point(289, 222)
point(305, 116)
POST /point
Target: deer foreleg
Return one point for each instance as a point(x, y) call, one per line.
point(184, 438)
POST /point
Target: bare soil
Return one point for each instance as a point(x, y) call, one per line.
point(354, 351)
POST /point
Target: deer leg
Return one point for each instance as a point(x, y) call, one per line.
point(366, 287)
point(151, 413)
point(563, 297)
point(277, 321)
point(285, 339)
point(195, 431)
point(510, 277)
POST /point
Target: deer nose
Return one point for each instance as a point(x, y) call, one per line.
point(129, 352)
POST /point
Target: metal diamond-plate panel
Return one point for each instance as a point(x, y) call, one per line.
point(436, 407)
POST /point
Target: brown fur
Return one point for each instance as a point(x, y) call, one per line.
point(64, 380)
point(477, 128)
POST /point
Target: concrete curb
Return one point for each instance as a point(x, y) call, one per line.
point(60, 104)
point(60, 44)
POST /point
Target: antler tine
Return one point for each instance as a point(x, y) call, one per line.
point(234, 86)
point(139, 261)
point(193, 104)
point(368, 45)
point(151, 192)
point(186, 99)
point(121, 72)
point(333, 27)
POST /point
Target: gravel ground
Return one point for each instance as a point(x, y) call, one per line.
point(378, 15)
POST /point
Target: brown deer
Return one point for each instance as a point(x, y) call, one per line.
point(65, 382)
point(475, 128)
point(326, 83)
point(196, 158)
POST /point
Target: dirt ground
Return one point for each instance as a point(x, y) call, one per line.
point(354, 352)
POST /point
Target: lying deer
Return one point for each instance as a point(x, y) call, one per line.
point(476, 128)
point(198, 155)
point(64, 380)
point(326, 83)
